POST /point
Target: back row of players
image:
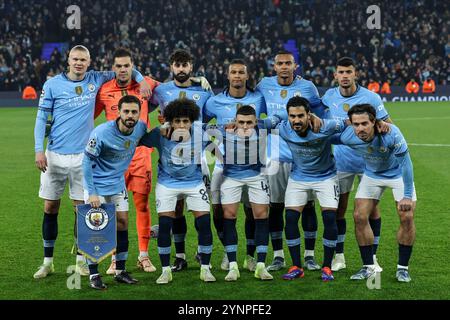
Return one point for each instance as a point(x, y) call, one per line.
point(304, 165)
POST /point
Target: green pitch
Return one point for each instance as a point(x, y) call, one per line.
point(21, 219)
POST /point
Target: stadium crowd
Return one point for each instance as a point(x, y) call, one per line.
point(414, 40)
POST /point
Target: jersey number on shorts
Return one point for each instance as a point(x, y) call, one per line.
point(336, 192)
point(264, 187)
point(204, 195)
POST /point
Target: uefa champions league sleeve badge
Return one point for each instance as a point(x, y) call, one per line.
point(96, 230)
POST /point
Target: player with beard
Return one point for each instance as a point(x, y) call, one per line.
point(107, 156)
point(138, 177)
point(182, 87)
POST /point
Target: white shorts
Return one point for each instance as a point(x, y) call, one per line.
point(279, 181)
point(370, 188)
point(346, 180)
point(257, 188)
point(299, 193)
point(120, 200)
point(60, 168)
point(216, 181)
point(197, 198)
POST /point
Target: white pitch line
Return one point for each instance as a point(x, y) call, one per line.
point(428, 145)
point(415, 119)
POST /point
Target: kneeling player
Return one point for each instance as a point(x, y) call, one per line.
point(242, 146)
point(180, 177)
point(107, 156)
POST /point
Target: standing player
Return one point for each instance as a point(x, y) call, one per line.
point(313, 170)
point(182, 86)
point(69, 99)
point(107, 156)
point(387, 165)
point(277, 91)
point(180, 176)
point(349, 163)
point(223, 108)
point(138, 177)
point(243, 168)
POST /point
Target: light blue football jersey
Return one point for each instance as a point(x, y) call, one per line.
point(243, 157)
point(277, 97)
point(347, 159)
point(223, 107)
point(312, 156)
point(71, 105)
point(110, 153)
point(379, 155)
point(179, 164)
point(169, 91)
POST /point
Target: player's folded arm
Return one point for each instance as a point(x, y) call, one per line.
point(151, 139)
point(270, 122)
point(105, 76)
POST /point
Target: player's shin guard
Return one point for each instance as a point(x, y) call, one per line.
point(204, 238)
point(230, 238)
point(293, 236)
point(375, 225)
point(309, 225)
point(261, 238)
point(276, 225)
point(121, 250)
point(49, 233)
point(341, 230)
point(250, 231)
point(164, 241)
point(143, 220)
point(329, 236)
point(179, 235)
point(404, 254)
point(218, 222)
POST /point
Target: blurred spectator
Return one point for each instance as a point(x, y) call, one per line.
point(414, 40)
point(386, 87)
point(373, 86)
point(29, 93)
point(412, 86)
point(429, 86)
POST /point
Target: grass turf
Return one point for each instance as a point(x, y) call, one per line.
point(21, 219)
